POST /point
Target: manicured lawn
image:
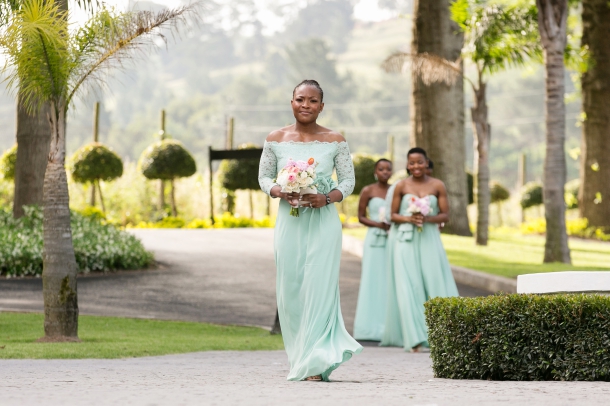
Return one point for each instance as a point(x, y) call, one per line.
point(513, 254)
point(114, 337)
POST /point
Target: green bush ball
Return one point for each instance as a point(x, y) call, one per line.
point(240, 174)
point(95, 162)
point(498, 192)
point(7, 163)
point(571, 193)
point(364, 169)
point(167, 159)
point(531, 195)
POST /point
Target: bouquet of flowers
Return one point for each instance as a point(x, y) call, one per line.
point(419, 205)
point(298, 177)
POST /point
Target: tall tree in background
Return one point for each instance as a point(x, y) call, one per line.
point(49, 63)
point(437, 110)
point(594, 193)
point(552, 23)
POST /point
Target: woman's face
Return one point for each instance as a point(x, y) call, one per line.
point(383, 170)
point(417, 164)
point(306, 104)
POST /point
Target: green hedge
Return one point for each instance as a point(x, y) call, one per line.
point(97, 246)
point(520, 337)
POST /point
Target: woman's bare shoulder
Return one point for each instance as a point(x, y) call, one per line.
point(279, 135)
point(438, 184)
point(329, 135)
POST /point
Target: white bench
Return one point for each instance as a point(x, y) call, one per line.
point(564, 282)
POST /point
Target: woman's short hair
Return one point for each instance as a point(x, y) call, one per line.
point(310, 82)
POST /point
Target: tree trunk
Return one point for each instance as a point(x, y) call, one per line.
point(482, 133)
point(437, 111)
point(173, 198)
point(59, 263)
point(161, 195)
point(99, 188)
point(552, 21)
point(92, 201)
point(595, 145)
point(33, 139)
point(251, 204)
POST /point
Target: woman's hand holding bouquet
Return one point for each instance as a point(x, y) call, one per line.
point(298, 177)
point(419, 208)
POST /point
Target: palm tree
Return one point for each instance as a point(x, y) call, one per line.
point(48, 63)
point(495, 37)
point(552, 24)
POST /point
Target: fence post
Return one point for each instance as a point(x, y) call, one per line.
point(522, 180)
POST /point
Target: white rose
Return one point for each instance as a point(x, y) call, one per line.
point(303, 174)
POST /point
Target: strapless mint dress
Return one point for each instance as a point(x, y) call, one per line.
point(307, 257)
point(418, 270)
point(370, 311)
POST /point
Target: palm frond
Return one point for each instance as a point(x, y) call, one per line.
point(35, 46)
point(109, 40)
point(429, 67)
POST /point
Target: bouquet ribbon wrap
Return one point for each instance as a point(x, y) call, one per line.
point(380, 238)
point(405, 232)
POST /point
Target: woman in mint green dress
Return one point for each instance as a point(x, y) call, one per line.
point(308, 247)
point(418, 268)
point(370, 311)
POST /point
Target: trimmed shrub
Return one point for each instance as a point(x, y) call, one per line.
point(520, 337)
point(364, 168)
point(98, 246)
point(498, 192)
point(95, 162)
point(242, 174)
point(571, 193)
point(531, 195)
point(167, 159)
point(8, 161)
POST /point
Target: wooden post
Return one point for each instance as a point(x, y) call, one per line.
point(96, 126)
point(391, 148)
point(522, 178)
point(211, 192)
point(161, 181)
point(230, 133)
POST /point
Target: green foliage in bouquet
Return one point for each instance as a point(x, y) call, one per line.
point(498, 192)
point(98, 246)
point(95, 162)
point(241, 174)
point(571, 193)
point(531, 195)
point(7, 163)
point(520, 337)
point(364, 169)
point(167, 160)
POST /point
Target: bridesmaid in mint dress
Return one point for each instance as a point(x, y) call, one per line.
point(418, 268)
point(370, 311)
point(308, 247)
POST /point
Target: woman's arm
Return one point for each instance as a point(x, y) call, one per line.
point(267, 172)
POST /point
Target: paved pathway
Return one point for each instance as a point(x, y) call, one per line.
point(219, 276)
point(378, 376)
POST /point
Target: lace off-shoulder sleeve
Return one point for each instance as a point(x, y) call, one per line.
point(267, 169)
point(345, 170)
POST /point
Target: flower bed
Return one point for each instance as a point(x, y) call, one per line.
point(520, 337)
point(97, 246)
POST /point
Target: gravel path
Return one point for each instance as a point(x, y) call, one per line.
point(378, 376)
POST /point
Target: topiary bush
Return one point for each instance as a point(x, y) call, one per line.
point(240, 174)
point(571, 193)
point(498, 192)
point(364, 169)
point(8, 161)
point(95, 162)
point(167, 160)
point(520, 337)
point(98, 246)
point(531, 195)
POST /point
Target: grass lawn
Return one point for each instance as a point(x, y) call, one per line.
point(115, 337)
point(514, 254)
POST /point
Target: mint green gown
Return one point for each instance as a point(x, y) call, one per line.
point(418, 270)
point(307, 257)
point(370, 311)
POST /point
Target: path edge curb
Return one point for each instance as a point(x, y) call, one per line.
point(465, 276)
